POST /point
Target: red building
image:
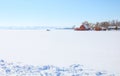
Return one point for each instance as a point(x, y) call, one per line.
point(82, 28)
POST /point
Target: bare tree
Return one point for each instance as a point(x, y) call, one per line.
point(104, 24)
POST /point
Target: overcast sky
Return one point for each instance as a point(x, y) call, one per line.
point(57, 12)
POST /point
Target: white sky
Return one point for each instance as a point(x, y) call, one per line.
point(98, 50)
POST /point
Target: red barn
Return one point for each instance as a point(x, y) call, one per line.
point(82, 28)
point(98, 28)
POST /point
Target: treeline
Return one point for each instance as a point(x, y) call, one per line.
point(98, 26)
point(107, 25)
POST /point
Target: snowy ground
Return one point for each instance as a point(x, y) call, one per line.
point(95, 50)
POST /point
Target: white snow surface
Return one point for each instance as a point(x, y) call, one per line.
point(96, 50)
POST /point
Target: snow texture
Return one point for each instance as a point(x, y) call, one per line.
point(14, 69)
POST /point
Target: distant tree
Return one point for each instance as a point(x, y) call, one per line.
point(119, 23)
point(113, 23)
point(97, 27)
point(73, 26)
point(116, 24)
point(91, 26)
point(104, 24)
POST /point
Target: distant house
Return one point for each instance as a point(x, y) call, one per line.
point(114, 28)
point(83, 27)
point(97, 28)
point(103, 28)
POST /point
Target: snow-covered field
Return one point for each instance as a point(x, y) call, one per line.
point(95, 50)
